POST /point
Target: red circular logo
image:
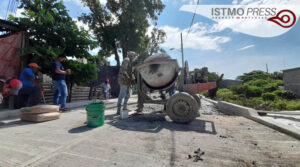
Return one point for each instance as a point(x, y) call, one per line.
point(285, 18)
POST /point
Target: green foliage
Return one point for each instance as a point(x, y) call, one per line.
point(51, 32)
point(269, 96)
point(82, 73)
point(285, 94)
point(256, 75)
point(247, 90)
point(260, 93)
point(124, 24)
point(212, 77)
point(225, 94)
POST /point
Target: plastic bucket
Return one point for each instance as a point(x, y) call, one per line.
point(95, 114)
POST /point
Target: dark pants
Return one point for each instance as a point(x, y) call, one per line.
point(30, 97)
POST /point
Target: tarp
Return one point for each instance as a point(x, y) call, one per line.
point(9, 55)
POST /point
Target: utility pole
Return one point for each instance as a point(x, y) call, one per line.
point(182, 68)
point(267, 68)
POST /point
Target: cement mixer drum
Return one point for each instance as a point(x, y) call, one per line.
point(159, 71)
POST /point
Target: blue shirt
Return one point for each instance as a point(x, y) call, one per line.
point(27, 72)
point(57, 77)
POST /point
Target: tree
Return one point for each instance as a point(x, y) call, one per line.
point(123, 24)
point(51, 31)
point(257, 74)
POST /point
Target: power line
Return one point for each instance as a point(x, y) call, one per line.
point(192, 22)
point(7, 9)
point(11, 7)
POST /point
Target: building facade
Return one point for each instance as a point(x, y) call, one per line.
point(291, 79)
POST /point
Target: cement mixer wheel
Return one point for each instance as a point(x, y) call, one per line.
point(197, 98)
point(182, 108)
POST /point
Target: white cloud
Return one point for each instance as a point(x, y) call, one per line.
point(80, 24)
point(19, 12)
point(268, 2)
point(79, 3)
point(177, 2)
point(234, 2)
point(95, 51)
point(199, 38)
point(246, 47)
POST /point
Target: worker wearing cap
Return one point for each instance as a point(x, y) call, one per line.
point(59, 82)
point(125, 80)
point(30, 94)
point(11, 87)
point(106, 88)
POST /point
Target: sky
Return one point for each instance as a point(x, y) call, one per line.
point(221, 50)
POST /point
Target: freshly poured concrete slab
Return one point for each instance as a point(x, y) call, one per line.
point(145, 140)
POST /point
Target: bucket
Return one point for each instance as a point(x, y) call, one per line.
point(95, 114)
point(124, 114)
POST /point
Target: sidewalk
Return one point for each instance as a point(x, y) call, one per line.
point(15, 114)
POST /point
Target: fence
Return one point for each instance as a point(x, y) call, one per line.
point(79, 93)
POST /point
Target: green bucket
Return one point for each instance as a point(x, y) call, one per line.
point(95, 114)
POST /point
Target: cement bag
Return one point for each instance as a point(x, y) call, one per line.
point(40, 117)
point(40, 109)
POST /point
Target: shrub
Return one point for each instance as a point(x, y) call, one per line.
point(285, 94)
point(288, 95)
point(225, 94)
point(271, 87)
point(253, 91)
point(293, 105)
point(269, 96)
point(280, 105)
point(278, 82)
point(258, 82)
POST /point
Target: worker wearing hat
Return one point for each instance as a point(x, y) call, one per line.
point(11, 87)
point(125, 80)
point(30, 94)
point(106, 88)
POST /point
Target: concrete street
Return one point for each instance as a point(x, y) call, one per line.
point(146, 140)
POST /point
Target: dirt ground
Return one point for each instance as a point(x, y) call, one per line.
point(146, 140)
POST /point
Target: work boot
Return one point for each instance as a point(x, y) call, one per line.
point(139, 111)
point(119, 111)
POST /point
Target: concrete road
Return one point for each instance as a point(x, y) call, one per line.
point(146, 140)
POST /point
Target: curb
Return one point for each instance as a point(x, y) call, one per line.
point(209, 100)
point(234, 109)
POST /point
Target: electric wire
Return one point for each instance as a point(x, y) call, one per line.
point(192, 22)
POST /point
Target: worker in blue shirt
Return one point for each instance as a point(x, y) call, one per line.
point(30, 93)
point(59, 82)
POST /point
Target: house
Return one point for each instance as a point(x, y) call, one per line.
point(291, 79)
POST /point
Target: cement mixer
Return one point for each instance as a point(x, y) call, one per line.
point(159, 73)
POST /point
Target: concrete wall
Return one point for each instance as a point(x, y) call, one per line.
point(291, 80)
point(110, 72)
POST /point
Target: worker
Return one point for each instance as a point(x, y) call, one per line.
point(11, 87)
point(30, 94)
point(59, 82)
point(125, 80)
point(106, 88)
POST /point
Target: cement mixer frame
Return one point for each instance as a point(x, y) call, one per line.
point(182, 107)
